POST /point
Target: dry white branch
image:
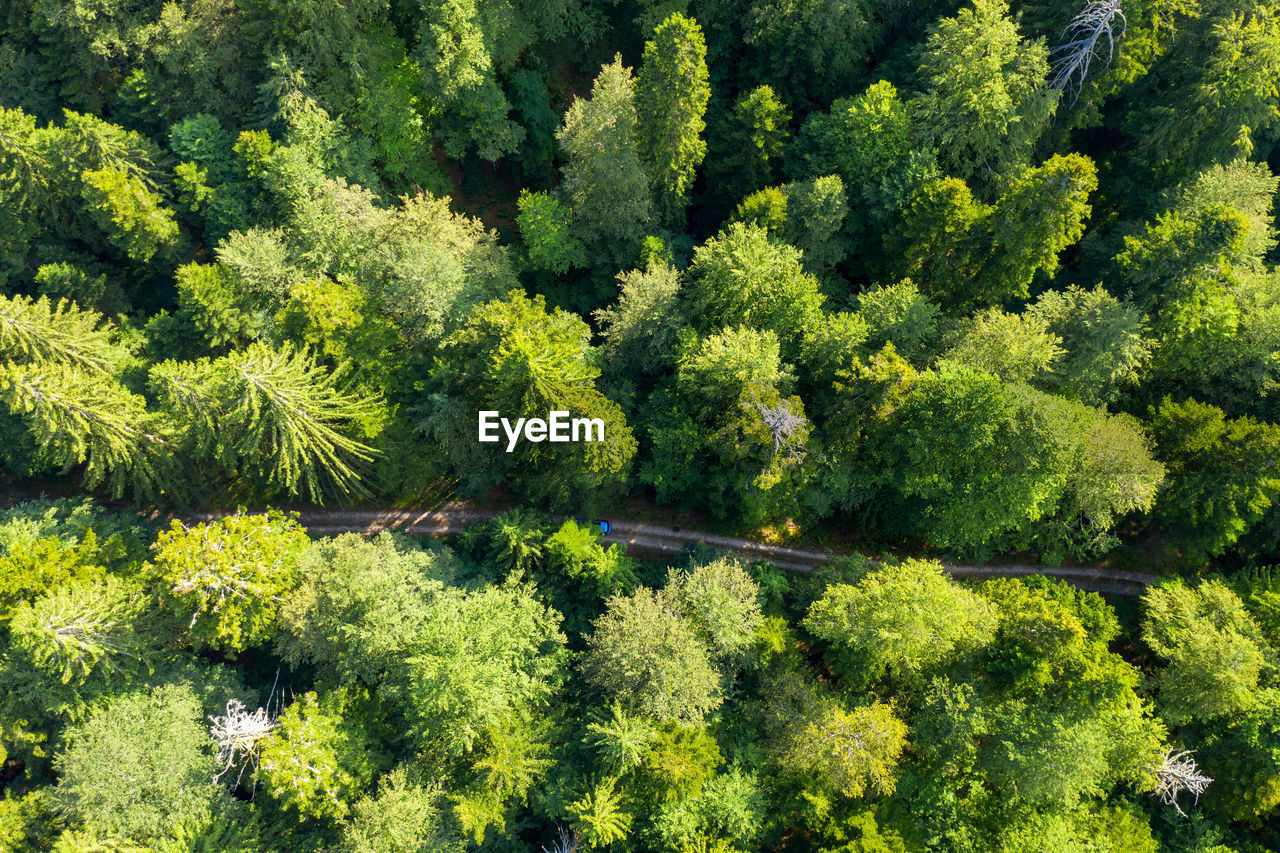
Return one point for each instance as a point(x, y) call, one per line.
point(1083, 36)
point(238, 733)
point(1177, 772)
point(787, 427)
point(566, 842)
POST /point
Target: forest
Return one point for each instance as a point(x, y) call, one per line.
point(973, 280)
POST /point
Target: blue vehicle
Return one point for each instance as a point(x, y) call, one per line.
point(604, 525)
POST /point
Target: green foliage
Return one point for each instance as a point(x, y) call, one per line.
point(225, 578)
point(671, 97)
point(275, 415)
point(404, 817)
point(963, 252)
point(1015, 347)
point(516, 358)
point(486, 663)
point(899, 315)
point(599, 816)
point(754, 136)
point(741, 277)
point(984, 102)
point(322, 756)
point(602, 179)
point(545, 226)
point(1221, 480)
point(647, 655)
point(1104, 343)
point(41, 332)
point(359, 604)
point(81, 632)
point(82, 419)
point(1215, 651)
point(868, 141)
point(640, 329)
point(898, 621)
point(972, 457)
point(721, 600)
point(139, 766)
point(131, 216)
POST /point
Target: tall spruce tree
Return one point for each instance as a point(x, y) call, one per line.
point(672, 91)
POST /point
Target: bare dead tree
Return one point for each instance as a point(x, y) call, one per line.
point(238, 734)
point(566, 842)
point(1099, 19)
point(787, 427)
point(1177, 772)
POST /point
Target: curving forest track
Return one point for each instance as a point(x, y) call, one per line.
point(450, 518)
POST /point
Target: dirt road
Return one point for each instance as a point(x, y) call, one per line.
point(451, 518)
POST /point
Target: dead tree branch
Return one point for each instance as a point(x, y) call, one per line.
point(788, 428)
point(238, 733)
point(1177, 772)
point(1083, 36)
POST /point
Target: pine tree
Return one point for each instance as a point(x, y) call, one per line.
point(38, 331)
point(80, 418)
point(603, 180)
point(274, 416)
point(79, 630)
point(672, 91)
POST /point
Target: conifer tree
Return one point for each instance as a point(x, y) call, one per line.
point(39, 331)
point(273, 415)
point(671, 98)
point(603, 180)
point(77, 418)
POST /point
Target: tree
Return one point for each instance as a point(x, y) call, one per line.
point(868, 141)
point(603, 180)
point(829, 747)
point(139, 766)
point(359, 604)
point(225, 579)
point(322, 756)
point(984, 101)
point(749, 145)
point(404, 817)
point(1222, 475)
point(671, 97)
point(964, 253)
point(485, 665)
point(741, 277)
point(545, 226)
point(641, 328)
point(131, 216)
point(1112, 475)
point(40, 331)
point(75, 418)
point(1212, 110)
point(727, 405)
point(651, 659)
point(721, 601)
point(808, 47)
point(898, 621)
point(900, 315)
point(1015, 347)
point(1104, 342)
point(599, 816)
point(81, 632)
point(1214, 650)
point(971, 457)
point(462, 98)
point(275, 415)
point(516, 358)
